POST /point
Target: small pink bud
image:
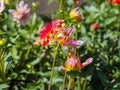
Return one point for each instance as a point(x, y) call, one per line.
point(95, 26)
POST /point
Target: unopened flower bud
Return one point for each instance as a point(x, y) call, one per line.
point(35, 5)
point(76, 16)
point(2, 42)
point(95, 26)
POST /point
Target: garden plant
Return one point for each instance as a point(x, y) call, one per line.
point(76, 47)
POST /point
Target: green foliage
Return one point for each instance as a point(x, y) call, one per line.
point(28, 67)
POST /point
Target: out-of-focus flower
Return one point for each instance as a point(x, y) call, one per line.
point(21, 14)
point(115, 2)
point(75, 15)
point(95, 26)
point(2, 6)
point(76, 1)
point(74, 63)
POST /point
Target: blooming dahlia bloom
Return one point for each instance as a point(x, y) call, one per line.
point(1, 6)
point(56, 32)
point(75, 15)
point(115, 2)
point(21, 14)
point(48, 32)
point(74, 63)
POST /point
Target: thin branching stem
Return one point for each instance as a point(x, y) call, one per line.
point(53, 65)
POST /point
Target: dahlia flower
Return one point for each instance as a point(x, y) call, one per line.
point(21, 14)
point(74, 63)
point(57, 33)
point(48, 32)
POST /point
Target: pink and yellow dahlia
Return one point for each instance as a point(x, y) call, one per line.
point(75, 15)
point(74, 63)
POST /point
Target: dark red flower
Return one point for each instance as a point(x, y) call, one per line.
point(95, 26)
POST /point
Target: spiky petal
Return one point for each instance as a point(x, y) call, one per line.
point(74, 43)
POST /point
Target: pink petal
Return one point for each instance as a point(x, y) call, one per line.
point(71, 53)
point(69, 31)
point(87, 62)
point(62, 68)
point(11, 11)
point(75, 43)
point(2, 6)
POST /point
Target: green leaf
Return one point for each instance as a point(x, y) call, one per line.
point(103, 78)
point(3, 86)
point(110, 20)
point(91, 9)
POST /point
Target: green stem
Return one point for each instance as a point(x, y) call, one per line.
point(75, 49)
point(79, 83)
point(119, 19)
point(64, 81)
point(84, 85)
point(60, 8)
point(2, 68)
point(52, 72)
point(73, 83)
point(69, 85)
